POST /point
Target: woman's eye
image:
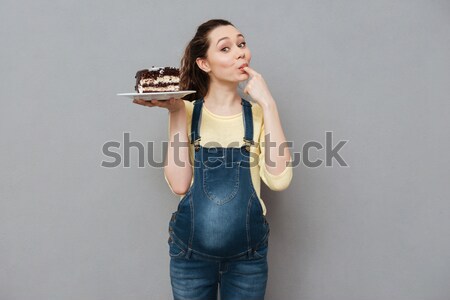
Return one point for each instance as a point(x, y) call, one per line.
point(241, 45)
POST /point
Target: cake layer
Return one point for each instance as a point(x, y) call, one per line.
point(157, 79)
point(169, 88)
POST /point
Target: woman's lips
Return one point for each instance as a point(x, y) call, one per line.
point(243, 66)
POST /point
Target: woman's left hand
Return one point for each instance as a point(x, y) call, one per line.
point(257, 88)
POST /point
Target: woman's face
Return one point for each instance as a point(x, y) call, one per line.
point(226, 55)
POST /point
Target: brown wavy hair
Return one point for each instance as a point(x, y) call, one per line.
point(191, 76)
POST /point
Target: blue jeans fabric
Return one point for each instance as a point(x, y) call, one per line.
point(198, 279)
point(218, 235)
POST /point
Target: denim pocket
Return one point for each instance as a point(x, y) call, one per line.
point(262, 250)
point(221, 181)
point(174, 250)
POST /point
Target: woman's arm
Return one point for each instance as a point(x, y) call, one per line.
point(178, 169)
point(277, 155)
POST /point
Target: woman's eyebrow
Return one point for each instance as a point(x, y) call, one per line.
point(228, 38)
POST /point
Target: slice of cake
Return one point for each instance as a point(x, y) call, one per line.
point(157, 79)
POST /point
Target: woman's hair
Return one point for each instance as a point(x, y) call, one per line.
point(191, 76)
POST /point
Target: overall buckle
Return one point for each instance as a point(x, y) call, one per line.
point(197, 144)
point(248, 144)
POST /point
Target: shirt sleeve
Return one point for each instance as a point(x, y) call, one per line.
point(274, 182)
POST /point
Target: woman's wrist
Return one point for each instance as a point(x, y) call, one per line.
point(177, 107)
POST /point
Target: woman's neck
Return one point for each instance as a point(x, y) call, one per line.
point(223, 99)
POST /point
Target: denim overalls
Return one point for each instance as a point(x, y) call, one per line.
point(220, 217)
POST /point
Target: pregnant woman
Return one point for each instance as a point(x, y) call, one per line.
point(218, 153)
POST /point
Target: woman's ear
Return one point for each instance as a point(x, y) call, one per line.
point(203, 64)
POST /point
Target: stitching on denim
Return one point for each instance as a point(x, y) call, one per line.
point(258, 204)
point(266, 225)
point(191, 235)
point(175, 255)
point(176, 244)
point(235, 190)
point(252, 187)
point(207, 162)
point(227, 265)
point(257, 255)
point(178, 240)
point(219, 257)
point(187, 195)
point(212, 197)
point(263, 239)
point(262, 244)
point(247, 223)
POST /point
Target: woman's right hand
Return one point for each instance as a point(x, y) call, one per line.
point(172, 104)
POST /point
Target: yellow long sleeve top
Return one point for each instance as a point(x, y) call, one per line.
point(224, 131)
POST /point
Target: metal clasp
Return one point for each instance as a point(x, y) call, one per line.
point(248, 144)
point(197, 144)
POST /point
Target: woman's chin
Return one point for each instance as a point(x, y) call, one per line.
point(243, 77)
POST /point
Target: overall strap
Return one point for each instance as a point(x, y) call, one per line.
point(196, 116)
point(248, 124)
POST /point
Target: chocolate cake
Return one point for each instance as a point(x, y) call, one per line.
point(157, 79)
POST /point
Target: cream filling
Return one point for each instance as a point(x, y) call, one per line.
point(149, 89)
point(163, 79)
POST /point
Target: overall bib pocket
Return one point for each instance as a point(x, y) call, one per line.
point(221, 180)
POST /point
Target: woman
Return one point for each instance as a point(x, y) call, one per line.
point(218, 236)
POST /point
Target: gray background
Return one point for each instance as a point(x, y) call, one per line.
point(375, 73)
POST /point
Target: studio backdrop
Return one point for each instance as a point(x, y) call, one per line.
point(362, 89)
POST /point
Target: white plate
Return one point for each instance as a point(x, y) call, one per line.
point(157, 96)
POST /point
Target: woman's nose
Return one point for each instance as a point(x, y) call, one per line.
point(241, 54)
